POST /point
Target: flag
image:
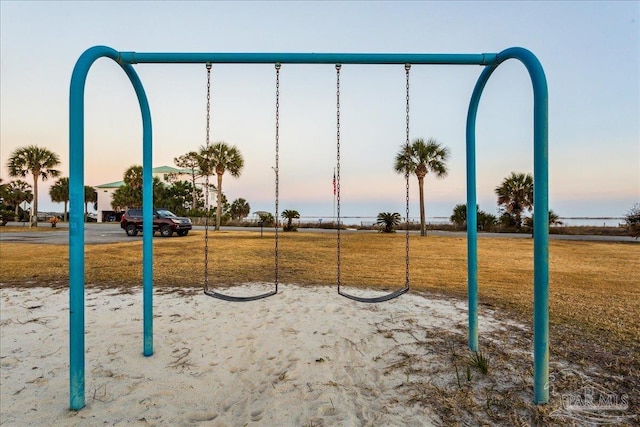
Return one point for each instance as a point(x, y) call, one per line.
point(334, 183)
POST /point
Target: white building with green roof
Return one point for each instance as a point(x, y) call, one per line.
point(105, 191)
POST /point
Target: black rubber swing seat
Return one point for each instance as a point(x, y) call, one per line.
point(381, 298)
point(234, 298)
point(336, 192)
point(210, 292)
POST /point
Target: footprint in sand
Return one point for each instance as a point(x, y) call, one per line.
point(200, 417)
point(247, 337)
point(240, 408)
point(8, 362)
point(256, 415)
point(333, 308)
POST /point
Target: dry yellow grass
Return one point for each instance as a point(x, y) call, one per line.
point(593, 285)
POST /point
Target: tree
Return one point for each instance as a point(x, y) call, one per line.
point(125, 197)
point(90, 196)
point(389, 221)
point(220, 158)
point(3, 207)
point(266, 218)
point(14, 193)
point(130, 194)
point(133, 177)
point(459, 216)
point(422, 158)
point(59, 193)
point(515, 195)
point(290, 215)
point(485, 221)
point(191, 161)
point(632, 220)
point(178, 197)
point(554, 219)
point(240, 208)
point(38, 161)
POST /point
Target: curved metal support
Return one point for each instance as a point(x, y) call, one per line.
point(382, 298)
point(76, 218)
point(472, 209)
point(233, 298)
point(541, 217)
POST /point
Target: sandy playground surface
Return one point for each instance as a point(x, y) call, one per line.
point(305, 357)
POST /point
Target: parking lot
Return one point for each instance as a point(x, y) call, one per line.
point(94, 233)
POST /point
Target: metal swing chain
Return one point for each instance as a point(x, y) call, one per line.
point(338, 66)
point(407, 67)
point(277, 168)
point(206, 221)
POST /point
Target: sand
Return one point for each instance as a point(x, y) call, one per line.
point(305, 357)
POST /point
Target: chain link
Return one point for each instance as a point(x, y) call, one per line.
point(277, 168)
point(407, 67)
point(206, 221)
point(338, 67)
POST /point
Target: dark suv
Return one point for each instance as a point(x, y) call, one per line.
point(164, 221)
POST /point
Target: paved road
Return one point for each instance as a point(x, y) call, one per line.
point(111, 232)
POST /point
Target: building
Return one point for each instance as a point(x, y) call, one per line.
point(105, 191)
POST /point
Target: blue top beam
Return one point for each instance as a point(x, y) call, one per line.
point(309, 58)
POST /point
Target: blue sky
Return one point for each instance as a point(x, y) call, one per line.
point(590, 52)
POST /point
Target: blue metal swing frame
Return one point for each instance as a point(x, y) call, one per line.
point(490, 61)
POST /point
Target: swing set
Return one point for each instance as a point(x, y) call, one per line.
point(490, 61)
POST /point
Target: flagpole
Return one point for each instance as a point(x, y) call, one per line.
point(334, 195)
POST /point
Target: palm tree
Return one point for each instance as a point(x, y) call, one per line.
point(240, 208)
point(389, 221)
point(16, 192)
point(59, 193)
point(459, 216)
point(422, 158)
point(221, 158)
point(290, 215)
point(266, 218)
point(90, 196)
point(515, 193)
point(38, 161)
point(130, 194)
point(485, 221)
point(554, 219)
point(133, 177)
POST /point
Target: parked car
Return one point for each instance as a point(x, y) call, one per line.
point(164, 221)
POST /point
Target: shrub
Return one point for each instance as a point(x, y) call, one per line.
point(632, 220)
point(389, 221)
point(485, 221)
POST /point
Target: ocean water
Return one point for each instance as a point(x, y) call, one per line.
point(568, 221)
point(593, 222)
